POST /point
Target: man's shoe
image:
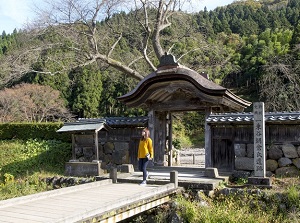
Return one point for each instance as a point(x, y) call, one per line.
point(144, 183)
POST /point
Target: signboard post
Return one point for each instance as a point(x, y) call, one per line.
point(259, 140)
point(259, 178)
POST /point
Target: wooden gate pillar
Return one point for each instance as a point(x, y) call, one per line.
point(208, 152)
point(170, 138)
point(157, 126)
point(96, 145)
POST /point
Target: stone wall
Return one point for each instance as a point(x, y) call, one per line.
point(116, 147)
point(283, 159)
point(110, 153)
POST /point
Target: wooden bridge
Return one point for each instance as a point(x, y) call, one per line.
point(100, 201)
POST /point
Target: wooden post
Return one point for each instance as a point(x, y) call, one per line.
point(113, 175)
point(151, 128)
point(174, 177)
point(157, 127)
point(96, 145)
point(208, 152)
point(170, 157)
point(73, 148)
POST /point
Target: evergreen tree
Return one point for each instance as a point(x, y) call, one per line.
point(296, 34)
point(87, 91)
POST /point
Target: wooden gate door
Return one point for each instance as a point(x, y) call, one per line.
point(223, 149)
point(133, 151)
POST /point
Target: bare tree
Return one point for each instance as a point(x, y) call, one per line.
point(280, 85)
point(32, 103)
point(71, 30)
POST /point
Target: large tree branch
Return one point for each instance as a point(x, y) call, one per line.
point(147, 32)
point(115, 64)
point(160, 24)
point(119, 66)
point(156, 32)
point(114, 45)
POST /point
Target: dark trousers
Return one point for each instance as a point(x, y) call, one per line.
point(143, 163)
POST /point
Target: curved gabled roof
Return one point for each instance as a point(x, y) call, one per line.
point(177, 88)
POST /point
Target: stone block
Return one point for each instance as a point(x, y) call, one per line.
point(289, 151)
point(174, 178)
point(211, 172)
point(121, 145)
point(283, 161)
point(250, 150)
point(298, 150)
point(237, 174)
point(126, 168)
point(88, 151)
point(289, 171)
point(119, 157)
point(108, 148)
point(113, 174)
point(259, 181)
point(271, 165)
point(244, 163)
point(240, 150)
point(83, 169)
point(275, 153)
point(296, 162)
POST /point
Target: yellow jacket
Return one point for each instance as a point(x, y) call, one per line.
point(145, 146)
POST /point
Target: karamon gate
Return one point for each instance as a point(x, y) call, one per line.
point(175, 88)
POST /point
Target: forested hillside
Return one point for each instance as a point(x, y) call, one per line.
point(251, 47)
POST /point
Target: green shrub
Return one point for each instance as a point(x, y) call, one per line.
point(20, 158)
point(188, 210)
point(11, 188)
point(246, 206)
point(293, 196)
point(24, 131)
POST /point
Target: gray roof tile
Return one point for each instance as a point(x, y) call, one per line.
point(248, 117)
point(97, 124)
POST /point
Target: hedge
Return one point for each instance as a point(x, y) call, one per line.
point(24, 131)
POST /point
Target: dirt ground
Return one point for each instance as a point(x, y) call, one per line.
point(191, 157)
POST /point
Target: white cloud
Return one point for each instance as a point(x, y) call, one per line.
point(17, 10)
point(198, 5)
point(14, 14)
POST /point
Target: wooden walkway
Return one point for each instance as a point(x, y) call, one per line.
point(101, 201)
point(104, 201)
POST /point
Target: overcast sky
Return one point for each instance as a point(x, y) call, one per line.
point(16, 13)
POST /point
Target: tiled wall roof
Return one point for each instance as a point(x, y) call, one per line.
point(248, 117)
point(118, 121)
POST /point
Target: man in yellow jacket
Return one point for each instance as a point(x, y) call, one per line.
point(145, 154)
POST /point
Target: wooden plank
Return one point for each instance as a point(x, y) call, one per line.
point(5, 219)
point(43, 195)
point(20, 217)
point(36, 211)
point(44, 208)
